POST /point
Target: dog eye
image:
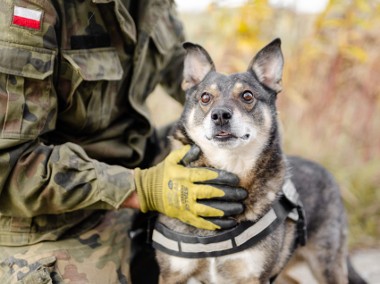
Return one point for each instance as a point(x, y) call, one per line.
point(205, 98)
point(247, 96)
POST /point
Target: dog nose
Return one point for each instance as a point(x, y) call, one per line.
point(221, 116)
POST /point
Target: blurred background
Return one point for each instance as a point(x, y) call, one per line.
point(330, 104)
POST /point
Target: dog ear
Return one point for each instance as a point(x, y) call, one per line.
point(197, 65)
point(268, 65)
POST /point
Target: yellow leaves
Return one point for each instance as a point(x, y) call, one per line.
point(346, 25)
point(355, 52)
point(331, 23)
point(349, 15)
point(250, 25)
point(248, 22)
point(243, 27)
point(364, 6)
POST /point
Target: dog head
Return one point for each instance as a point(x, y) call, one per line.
point(231, 116)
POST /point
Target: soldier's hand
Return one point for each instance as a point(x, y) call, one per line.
point(201, 197)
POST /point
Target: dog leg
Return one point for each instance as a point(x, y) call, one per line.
point(328, 265)
point(285, 277)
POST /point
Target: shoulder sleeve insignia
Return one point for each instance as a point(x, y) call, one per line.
point(27, 18)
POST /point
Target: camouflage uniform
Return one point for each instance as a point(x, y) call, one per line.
point(74, 77)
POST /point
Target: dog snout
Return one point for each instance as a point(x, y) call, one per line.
point(221, 116)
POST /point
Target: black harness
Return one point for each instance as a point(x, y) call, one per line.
point(244, 235)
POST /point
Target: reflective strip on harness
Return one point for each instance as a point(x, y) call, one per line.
point(197, 248)
point(243, 236)
point(164, 241)
point(258, 227)
point(239, 240)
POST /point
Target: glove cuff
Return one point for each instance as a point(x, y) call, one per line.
point(149, 188)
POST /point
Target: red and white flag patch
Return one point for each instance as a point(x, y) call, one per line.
point(27, 18)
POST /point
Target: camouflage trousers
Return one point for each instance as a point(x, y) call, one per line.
point(100, 255)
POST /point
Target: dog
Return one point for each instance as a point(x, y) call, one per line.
point(233, 120)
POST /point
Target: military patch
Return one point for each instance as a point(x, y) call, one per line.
point(27, 18)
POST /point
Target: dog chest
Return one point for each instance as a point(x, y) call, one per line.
point(248, 264)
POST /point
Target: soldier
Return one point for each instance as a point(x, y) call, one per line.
point(77, 148)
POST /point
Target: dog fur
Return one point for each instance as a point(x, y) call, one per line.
point(233, 119)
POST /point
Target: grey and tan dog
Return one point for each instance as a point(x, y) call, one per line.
point(233, 120)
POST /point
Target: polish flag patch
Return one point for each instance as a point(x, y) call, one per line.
point(27, 18)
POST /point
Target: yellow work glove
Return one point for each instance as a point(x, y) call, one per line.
point(190, 194)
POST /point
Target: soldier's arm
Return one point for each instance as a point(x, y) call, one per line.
point(36, 178)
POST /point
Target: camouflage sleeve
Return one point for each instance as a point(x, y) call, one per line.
point(169, 36)
point(36, 178)
point(172, 78)
point(39, 179)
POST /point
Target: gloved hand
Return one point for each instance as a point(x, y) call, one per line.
point(190, 194)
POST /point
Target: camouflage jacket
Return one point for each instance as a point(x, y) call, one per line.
point(74, 77)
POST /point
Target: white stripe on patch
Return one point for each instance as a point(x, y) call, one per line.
point(27, 13)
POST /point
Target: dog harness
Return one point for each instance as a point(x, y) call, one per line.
point(246, 234)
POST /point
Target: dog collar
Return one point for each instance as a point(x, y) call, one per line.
point(241, 237)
